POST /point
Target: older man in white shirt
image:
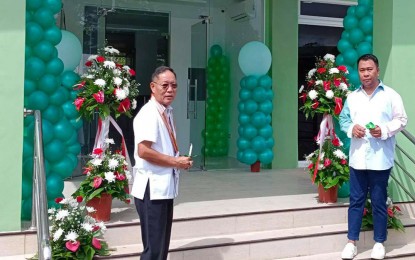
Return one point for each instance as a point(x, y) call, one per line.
point(371, 117)
point(157, 165)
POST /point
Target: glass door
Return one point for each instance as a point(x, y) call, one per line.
point(196, 91)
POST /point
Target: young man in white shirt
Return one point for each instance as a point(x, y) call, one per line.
point(157, 165)
point(371, 117)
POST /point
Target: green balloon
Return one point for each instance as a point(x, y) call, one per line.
point(27, 189)
point(27, 209)
point(343, 45)
point(47, 131)
point(350, 22)
point(368, 3)
point(53, 114)
point(53, 5)
point(55, 150)
point(215, 50)
point(60, 96)
point(69, 79)
point(63, 167)
point(258, 144)
point(265, 81)
point(242, 83)
point(258, 119)
point(38, 100)
point(251, 82)
point(63, 129)
point(44, 17)
point(27, 51)
point(44, 50)
point(364, 48)
point(53, 34)
point(33, 4)
point(270, 94)
point(266, 131)
point(69, 110)
point(34, 33)
point(339, 59)
point(54, 186)
point(350, 56)
point(345, 35)
point(74, 149)
point(245, 94)
point(366, 24)
point(361, 11)
point(27, 147)
point(29, 87)
point(250, 132)
point(356, 35)
point(351, 10)
point(369, 38)
point(34, 68)
point(250, 107)
point(249, 156)
point(259, 94)
point(54, 67)
point(266, 107)
point(266, 156)
point(269, 143)
point(28, 167)
point(243, 119)
point(48, 84)
point(344, 190)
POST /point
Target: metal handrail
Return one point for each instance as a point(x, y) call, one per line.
point(39, 209)
point(411, 138)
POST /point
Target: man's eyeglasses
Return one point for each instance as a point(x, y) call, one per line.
point(167, 85)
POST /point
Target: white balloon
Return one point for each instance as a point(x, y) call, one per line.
point(69, 50)
point(254, 58)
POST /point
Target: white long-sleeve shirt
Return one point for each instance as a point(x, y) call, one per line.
point(383, 108)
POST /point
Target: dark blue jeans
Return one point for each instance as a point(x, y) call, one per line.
point(376, 183)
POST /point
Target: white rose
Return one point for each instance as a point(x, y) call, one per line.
point(329, 57)
point(312, 94)
point(329, 94)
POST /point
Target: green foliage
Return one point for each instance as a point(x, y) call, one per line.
point(393, 216)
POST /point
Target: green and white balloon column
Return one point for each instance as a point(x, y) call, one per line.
point(255, 140)
point(48, 87)
point(217, 110)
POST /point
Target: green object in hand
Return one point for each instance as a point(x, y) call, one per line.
point(370, 125)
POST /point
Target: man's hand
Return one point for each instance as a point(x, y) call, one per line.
point(184, 162)
point(358, 131)
point(376, 132)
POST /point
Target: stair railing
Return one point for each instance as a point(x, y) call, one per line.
point(39, 209)
point(411, 138)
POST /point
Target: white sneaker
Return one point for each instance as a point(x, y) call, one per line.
point(349, 251)
point(378, 251)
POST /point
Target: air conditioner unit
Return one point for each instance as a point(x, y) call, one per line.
point(242, 11)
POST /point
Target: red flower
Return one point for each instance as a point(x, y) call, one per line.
point(99, 97)
point(335, 141)
point(397, 208)
point(126, 189)
point(132, 72)
point(339, 105)
point(321, 70)
point(79, 199)
point(58, 200)
point(315, 105)
point(124, 106)
point(303, 97)
point(98, 151)
point(342, 68)
point(127, 201)
point(88, 63)
point(79, 86)
point(87, 170)
point(390, 212)
point(118, 65)
point(327, 162)
point(100, 59)
point(72, 246)
point(337, 82)
point(95, 228)
point(310, 83)
point(96, 243)
point(310, 166)
point(119, 176)
point(97, 182)
point(343, 161)
point(364, 211)
point(78, 103)
point(326, 85)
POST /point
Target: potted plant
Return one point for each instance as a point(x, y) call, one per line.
point(107, 177)
point(326, 90)
point(393, 216)
point(328, 168)
point(74, 234)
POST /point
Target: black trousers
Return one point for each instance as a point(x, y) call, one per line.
point(156, 218)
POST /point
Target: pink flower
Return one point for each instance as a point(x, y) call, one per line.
point(96, 243)
point(342, 68)
point(336, 141)
point(72, 246)
point(99, 97)
point(80, 85)
point(337, 82)
point(303, 97)
point(95, 228)
point(390, 212)
point(124, 105)
point(326, 85)
point(315, 105)
point(132, 72)
point(87, 170)
point(364, 211)
point(397, 208)
point(78, 103)
point(343, 161)
point(97, 182)
point(119, 176)
point(127, 201)
point(310, 166)
point(58, 200)
point(327, 162)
